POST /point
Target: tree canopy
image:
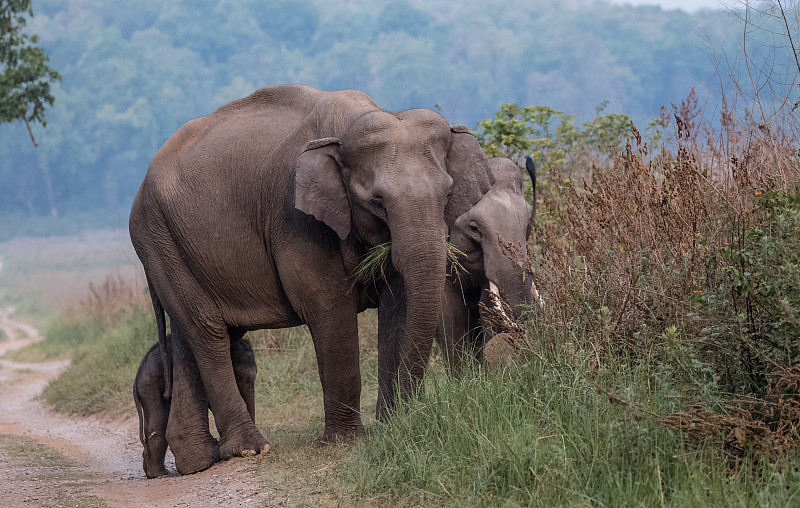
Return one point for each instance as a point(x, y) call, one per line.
point(133, 72)
point(25, 77)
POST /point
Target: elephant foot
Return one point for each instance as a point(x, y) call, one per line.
point(155, 472)
point(245, 444)
point(195, 457)
point(338, 435)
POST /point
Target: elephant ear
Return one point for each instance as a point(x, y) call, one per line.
point(472, 177)
point(318, 186)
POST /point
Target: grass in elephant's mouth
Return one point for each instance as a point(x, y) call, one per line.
point(375, 263)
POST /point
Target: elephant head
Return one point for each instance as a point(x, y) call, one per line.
point(389, 177)
point(502, 216)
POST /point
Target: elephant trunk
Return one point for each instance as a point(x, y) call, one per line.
point(513, 283)
point(419, 255)
point(421, 261)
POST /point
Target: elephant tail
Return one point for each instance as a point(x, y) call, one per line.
point(531, 167)
point(161, 323)
point(139, 406)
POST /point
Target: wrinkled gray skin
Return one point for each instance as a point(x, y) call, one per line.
point(504, 211)
point(153, 408)
point(255, 217)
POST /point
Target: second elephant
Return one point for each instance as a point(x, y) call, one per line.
point(501, 213)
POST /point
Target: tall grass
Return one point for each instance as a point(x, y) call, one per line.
point(106, 336)
point(540, 433)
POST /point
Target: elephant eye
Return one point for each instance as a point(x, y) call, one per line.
point(473, 228)
point(377, 207)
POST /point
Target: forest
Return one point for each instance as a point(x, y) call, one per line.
point(133, 72)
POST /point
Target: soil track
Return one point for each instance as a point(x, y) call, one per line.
point(107, 453)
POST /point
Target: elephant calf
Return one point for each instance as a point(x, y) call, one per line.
point(153, 408)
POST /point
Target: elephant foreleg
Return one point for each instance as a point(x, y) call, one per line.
point(336, 346)
point(452, 333)
point(391, 322)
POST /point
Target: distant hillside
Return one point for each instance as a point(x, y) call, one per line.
point(134, 71)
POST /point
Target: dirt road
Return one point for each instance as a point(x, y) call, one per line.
point(48, 459)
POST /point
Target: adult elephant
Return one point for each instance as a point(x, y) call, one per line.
point(492, 265)
point(256, 216)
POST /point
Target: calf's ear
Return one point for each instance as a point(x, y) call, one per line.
point(318, 186)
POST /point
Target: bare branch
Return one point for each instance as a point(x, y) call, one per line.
point(30, 132)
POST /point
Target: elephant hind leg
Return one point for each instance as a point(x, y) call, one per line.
point(187, 432)
point(211, 348)
point(202, 374)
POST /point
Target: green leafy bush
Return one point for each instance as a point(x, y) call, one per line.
point(756, 294)
point(548, 135)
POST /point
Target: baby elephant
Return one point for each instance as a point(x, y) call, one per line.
point(153, 408)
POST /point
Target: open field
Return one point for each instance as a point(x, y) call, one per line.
point(42, 277)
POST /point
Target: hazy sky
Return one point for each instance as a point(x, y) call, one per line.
point(687, 5)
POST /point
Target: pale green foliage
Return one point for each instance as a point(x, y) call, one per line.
point(548, 135)
point(25, 77)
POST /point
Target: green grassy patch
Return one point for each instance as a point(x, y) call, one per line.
point(104, 361)
point(44, 477)
point(541, 434)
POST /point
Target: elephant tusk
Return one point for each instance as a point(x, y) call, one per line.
point(496, 292)
point(536, 296)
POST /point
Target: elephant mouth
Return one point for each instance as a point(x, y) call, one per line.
point(376, 263)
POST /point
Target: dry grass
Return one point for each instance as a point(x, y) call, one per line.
point(764, 428)
point(632, 236)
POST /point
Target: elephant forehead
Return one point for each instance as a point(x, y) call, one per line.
point(503, 208)
point(506, 171)
point(377, 129)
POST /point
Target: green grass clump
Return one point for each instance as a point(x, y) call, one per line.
point(373, 264)
point(66, 333)
point(541, 434)
point(104, 362)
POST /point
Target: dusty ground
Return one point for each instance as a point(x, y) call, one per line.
point(48, 459)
